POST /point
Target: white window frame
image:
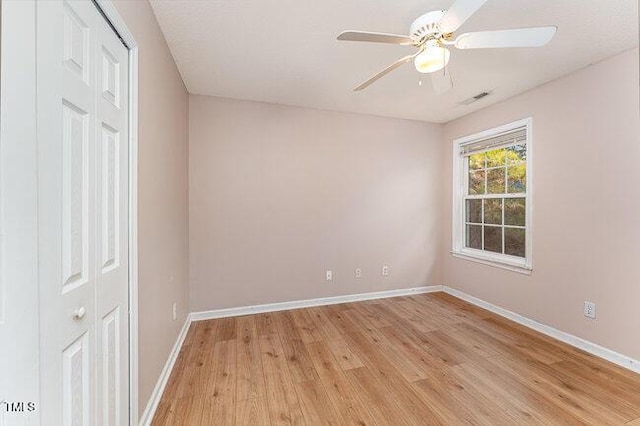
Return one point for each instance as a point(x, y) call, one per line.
point(513, 263)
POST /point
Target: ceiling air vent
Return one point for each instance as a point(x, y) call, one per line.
point(475, 98)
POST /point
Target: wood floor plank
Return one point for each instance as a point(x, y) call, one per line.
point(528, 403)
point(330, 334)
point(253, 412)
point(374, 313)
point(530, 345)
point(317, 409)
point(177, 374)
point(473, 311)
point(431, 363)
point(326, 327)
point(250, 383)
point(383, 368)
point(598, 377)
point(282, 399)
point(613, 397)
point(307, 329)
point(461, 401)
point(383, 407)
point(295, 351)
point(200, 338)
point(163, 413)
point(193, 381)
point(227, 329)
point(343, 354)
point(410, 369)
point(413, 360)
point(265, 324)
point(435, 347)
point(568, 397)
point(415, 309)
point(399, 314)
point(199, 410)
point(222, 384)
point(501, 403)
point(340, 391)
point(451, 402)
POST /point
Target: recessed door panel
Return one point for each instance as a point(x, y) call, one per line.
point(76, 43)
point(111, 353)
point(75, 383)
point(110, 77)
point(110, 200)
point(75, 144)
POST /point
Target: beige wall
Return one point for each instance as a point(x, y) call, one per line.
point(163, 195)
point(586, 197)
point(280, 194)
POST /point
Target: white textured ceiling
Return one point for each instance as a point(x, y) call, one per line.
point(285, 51)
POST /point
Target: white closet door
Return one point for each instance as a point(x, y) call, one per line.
point(112, 201)
point(82, 110)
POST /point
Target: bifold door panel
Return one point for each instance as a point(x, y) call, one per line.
point(82, 126)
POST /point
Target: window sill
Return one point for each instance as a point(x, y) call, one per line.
point(513, 266)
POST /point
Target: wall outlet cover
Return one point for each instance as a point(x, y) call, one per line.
point(590, 310)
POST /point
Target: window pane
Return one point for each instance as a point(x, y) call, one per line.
point(514, 241)
point(517, 179)
point(497, 157)
point(495, 181)
point(476, 182)
point(493, 238)
point(494, 222)
point(474, 211)
point(516, 154)
point(514, 211)
point(476, 161)
point(474, 236)
point(493, 211)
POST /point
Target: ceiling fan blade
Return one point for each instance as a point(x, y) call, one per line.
point(521, 37)
point(384, 72)
point(442, 82)
point(375, 37)
point(458, 14)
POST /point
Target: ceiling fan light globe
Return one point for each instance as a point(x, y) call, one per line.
point(432, 59)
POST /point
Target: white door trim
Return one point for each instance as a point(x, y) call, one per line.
point(116, 21)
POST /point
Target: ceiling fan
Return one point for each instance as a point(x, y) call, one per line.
point(433, 32)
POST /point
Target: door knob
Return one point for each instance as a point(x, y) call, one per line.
point(79, 313)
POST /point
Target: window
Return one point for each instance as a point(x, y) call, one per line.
point(492, 183)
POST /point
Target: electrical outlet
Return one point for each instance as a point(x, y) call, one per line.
point(175, 311)
point(329, 276)
point(590, 310)
point(358, 273)
point(385, 270)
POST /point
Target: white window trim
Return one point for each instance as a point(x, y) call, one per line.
point(511, 263)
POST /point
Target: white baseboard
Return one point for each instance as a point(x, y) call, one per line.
point(283, 306)
point(592, 348)
point(156, 395)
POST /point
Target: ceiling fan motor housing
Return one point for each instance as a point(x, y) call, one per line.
point(426, 26)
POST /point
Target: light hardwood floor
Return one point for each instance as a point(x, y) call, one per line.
point(419, 360)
